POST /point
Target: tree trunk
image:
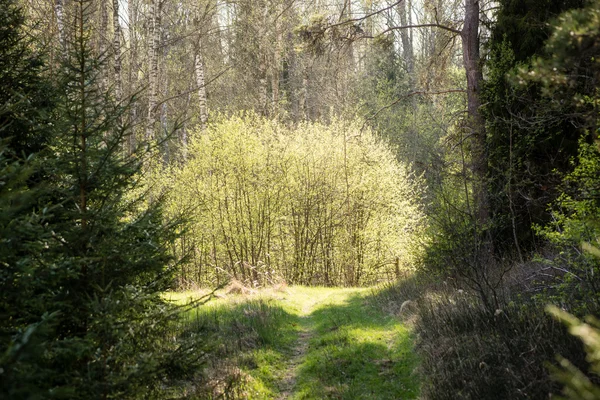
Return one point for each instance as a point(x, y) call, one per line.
point(60, 23)
point(201, 85)
point(263, 63)
point(117, 52)
point(303, 95)
point(132, 70)
point(153, 66)
point(103, 44)
point(407, 46)
point(470, 45)
point(276, 67)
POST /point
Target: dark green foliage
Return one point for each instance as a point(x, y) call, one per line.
point(570, 75)
point(25, 97)
point(576, 220)
point(542, 119)
point(23, 131)
point(84, 261)
point(524, 24)
point(531, 138)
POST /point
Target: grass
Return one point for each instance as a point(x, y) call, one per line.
point(357, 352)
point(302, 343)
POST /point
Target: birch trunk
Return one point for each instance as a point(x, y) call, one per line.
point(262, 66)
point(276, 68)
point(153, 67)
point(351, 55)
point(103, 44)
point(117, 52)
point(201, 85)
point(406, 38)
point(132, 70)
point(303, 95)
point(60, 23)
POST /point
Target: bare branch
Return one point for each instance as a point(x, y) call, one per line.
point(186, 92)
point(418, 92)
point(440, 26)
point(360, 19)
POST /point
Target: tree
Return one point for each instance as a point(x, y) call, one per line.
point(86, 261)
point(26, 105)
point(531, 138)
point(469, 35)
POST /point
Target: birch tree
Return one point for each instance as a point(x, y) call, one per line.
point(153, 55)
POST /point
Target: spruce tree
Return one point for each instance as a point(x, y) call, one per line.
point(83, 289)
point(530, 138)
point(26, 103)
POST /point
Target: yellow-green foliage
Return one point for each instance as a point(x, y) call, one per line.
point(578, 386)
point(313, 204)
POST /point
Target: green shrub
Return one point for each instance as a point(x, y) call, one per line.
point(313, 204)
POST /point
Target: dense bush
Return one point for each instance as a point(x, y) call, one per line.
point(313, 204)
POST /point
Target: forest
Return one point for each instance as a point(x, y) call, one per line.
point(299, 199)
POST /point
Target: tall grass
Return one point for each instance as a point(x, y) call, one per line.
point(245, 341)
point(469, 352)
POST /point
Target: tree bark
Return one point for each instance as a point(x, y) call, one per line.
point(117, 52)
point(201, 86)
point(60, 23)
point(276, 67)
point(132, 70)
point(471, 60)
point(153, 66)
point(263, 47)
point(407, 46)
point(103, 44)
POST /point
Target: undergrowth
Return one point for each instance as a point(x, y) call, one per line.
point(469, 352)
point(249, 341)
point(300, 343)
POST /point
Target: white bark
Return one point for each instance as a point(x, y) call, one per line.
point(117, 52)
point(153, 66)
point(406, 38)
point(60, 23)
point(201, 85)
point(132, 70)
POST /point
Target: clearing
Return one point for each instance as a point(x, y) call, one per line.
point(305, 343)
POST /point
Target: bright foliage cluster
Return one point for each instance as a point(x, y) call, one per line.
point(312, 204)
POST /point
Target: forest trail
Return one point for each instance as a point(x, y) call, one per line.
point(345, 348)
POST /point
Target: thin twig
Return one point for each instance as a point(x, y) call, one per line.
point(399, 99)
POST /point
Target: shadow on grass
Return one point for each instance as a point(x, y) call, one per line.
point(246, 347)
point(357, 352)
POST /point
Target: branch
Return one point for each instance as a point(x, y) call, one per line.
point(214, 78)
point(440, 26)
point(360, 19)
point(399, 99)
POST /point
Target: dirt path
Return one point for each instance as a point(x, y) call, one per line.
point(286, 387)
point(305, 333)
point(345, 349)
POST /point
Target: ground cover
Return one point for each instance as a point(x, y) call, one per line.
point(302, 343)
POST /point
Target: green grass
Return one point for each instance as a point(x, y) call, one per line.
point(304, 343)
point(356, 352)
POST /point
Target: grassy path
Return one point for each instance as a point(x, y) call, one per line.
point(349, 348)
point(316, 343)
